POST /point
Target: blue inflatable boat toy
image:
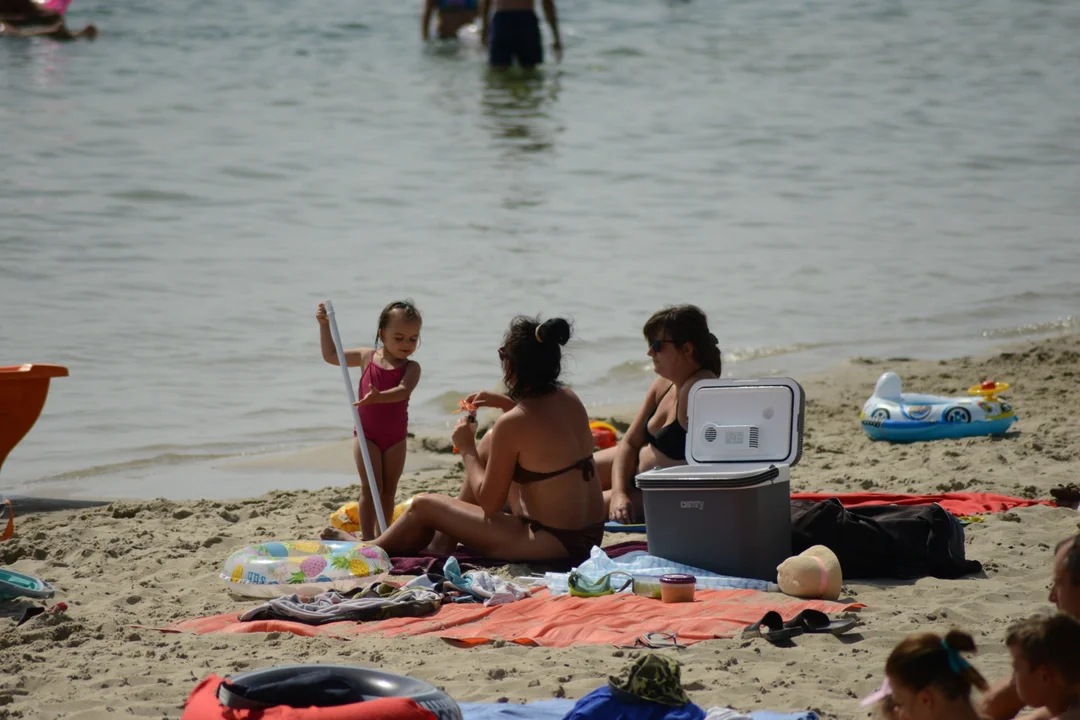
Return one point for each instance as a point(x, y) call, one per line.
point(896, 416)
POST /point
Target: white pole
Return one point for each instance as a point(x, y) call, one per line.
point(372, 483)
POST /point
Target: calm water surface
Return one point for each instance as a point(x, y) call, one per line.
point(826, 178)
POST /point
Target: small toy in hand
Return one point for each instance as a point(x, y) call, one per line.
point(467, 407)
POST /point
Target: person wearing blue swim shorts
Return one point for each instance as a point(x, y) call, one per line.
point(511, 31)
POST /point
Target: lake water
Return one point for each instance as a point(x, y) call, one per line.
point(826, 178)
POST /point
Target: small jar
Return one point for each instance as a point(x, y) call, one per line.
point(648, 586)
point(677, 588)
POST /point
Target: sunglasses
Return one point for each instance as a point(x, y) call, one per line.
point(658, 345)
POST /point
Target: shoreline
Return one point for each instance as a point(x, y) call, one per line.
point(330, 464)
point(150, 563)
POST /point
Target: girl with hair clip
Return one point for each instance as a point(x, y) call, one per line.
point(683, 351)
point(530, 491)
point(926, 678)
point(387, 379)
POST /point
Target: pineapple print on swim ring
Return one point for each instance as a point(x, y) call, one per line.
point(303, 567)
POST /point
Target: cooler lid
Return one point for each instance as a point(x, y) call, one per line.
point(745, 421)
point(708, 477)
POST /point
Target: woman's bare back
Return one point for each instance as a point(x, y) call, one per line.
point(553, 433)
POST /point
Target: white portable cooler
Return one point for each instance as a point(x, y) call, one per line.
point(729, 509)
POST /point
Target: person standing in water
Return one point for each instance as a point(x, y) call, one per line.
point(511, 31)
point(26, 18)
point(452, 16)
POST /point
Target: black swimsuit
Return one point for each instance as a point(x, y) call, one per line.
point(670, 439)
point(577, 543)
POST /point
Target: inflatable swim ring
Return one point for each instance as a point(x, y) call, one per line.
point(366, 694)
point(304, 567)
point(892, 415)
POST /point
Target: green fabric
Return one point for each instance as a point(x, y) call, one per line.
point(581, 586)
point(652, 677)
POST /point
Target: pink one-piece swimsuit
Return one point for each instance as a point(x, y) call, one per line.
point(385, 424)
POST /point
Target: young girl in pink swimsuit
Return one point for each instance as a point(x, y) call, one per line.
point(387, 380)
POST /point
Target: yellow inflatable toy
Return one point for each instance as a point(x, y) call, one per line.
point(347, 517)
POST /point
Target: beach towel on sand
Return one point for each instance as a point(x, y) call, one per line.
point(959, 503)
point(558, 708)
point(564, 621)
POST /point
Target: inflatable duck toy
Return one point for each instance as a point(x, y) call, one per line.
point(897, 416)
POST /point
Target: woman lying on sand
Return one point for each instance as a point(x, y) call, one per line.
point(683, 351)
point(530, 491)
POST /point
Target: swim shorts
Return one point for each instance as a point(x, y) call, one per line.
point(515, 34)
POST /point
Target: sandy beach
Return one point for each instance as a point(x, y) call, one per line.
point(155, 563)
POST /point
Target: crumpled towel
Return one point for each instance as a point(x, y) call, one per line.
point(481, 584)
point(375, 602)
point(723, 713)
point(639, 563)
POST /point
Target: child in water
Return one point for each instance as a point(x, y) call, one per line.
point(452, 15)
point(927, 679)
point(1046, 664)
point(387, 379)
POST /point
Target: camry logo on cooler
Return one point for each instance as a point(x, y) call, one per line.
point(692, 504)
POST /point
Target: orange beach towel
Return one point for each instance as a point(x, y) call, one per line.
point(560, 621)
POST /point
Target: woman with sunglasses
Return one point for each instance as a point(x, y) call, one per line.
point(530, 491)
point(683, 351)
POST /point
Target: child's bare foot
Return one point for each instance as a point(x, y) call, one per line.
point(332, 533)
point(441, 544)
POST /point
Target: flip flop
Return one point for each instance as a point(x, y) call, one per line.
point(1066, 495)
point(655, 641)
point(815, 621)
point(772, 628)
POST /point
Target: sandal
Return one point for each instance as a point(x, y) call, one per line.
point(1066, 495)
point(815, 621)
point(655, 641)
point(772, 628)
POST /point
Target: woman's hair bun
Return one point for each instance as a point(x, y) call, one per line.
point(554, 330)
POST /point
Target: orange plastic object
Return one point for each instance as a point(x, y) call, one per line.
point(604, 435)
point(22, 395)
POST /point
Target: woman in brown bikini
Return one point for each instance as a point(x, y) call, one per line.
point(530, 489)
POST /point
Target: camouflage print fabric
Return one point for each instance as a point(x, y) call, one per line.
point(654, 678)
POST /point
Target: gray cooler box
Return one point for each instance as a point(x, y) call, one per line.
point(729, 509)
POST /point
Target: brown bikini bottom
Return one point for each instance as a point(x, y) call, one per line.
point(578, 543)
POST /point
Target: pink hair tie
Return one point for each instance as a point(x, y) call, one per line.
point(59, 6)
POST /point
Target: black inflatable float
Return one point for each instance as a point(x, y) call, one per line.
point(303, 686)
